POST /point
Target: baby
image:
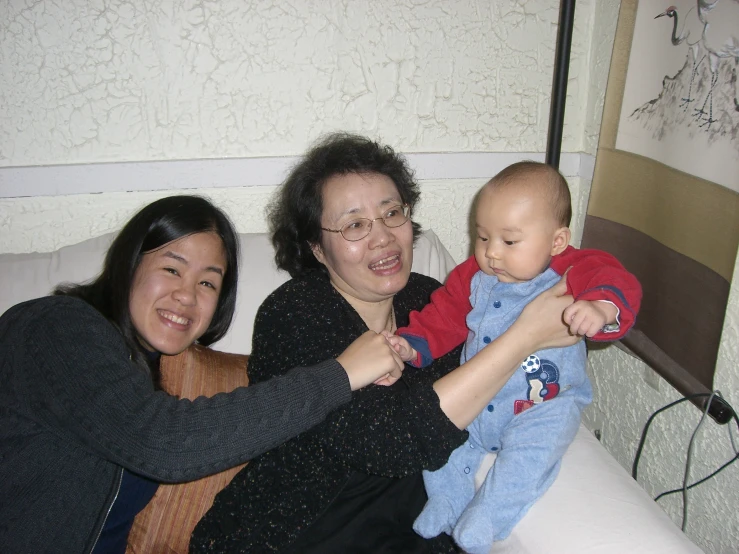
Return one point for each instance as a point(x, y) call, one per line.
point(522, 248)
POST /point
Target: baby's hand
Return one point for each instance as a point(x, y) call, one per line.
point(401, 346)
point(403, 349)
point(586, 318)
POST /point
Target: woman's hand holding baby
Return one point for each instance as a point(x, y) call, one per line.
point(542, 319)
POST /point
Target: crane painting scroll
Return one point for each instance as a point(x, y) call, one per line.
point(681, 96)
point(665, 192)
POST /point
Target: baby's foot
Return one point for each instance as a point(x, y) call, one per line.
point(437, 517)
point(474, 531)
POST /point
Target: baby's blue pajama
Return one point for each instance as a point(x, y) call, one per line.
point(529, 425)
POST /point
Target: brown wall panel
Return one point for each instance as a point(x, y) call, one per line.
point(692, 216)
point(684, 303)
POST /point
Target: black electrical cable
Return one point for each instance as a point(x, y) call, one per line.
point(643, 438)
point(689, 459)
point(707, 477)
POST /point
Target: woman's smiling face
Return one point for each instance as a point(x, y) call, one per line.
point(175, 292)
point(378, 266)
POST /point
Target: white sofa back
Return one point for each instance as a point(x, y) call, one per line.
point(27, 276)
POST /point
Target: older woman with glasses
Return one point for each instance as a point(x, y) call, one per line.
point(342, 228)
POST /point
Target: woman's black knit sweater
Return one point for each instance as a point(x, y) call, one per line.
point(385, 431)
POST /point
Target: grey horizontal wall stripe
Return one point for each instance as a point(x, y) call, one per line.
point(57, 180)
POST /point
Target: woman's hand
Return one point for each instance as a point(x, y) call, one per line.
point(368, 358)
point(541, 321)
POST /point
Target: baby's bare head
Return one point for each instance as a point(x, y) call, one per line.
point(538, 178)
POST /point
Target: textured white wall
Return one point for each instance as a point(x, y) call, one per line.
point(87, 81)
point(91, 81)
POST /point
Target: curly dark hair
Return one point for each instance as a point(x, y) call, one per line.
point(295, 213)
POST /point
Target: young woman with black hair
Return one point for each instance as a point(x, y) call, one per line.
point(85, 434)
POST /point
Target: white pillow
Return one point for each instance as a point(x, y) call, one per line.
point(27, 276)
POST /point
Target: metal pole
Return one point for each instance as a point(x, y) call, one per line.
point(559, 82)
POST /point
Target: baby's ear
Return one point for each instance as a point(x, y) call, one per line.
point(561, 240)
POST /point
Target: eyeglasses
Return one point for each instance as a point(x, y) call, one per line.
point(357, 229)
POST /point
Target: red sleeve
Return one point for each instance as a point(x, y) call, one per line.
point(442, 322)
point(597, 275)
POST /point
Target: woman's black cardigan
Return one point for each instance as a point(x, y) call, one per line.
point(387, 431)
point(74, 410)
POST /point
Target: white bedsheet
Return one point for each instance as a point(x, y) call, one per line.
point(595, 507)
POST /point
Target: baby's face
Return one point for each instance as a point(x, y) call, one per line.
point(516, 233)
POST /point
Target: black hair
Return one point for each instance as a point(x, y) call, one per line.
point(549, 178)
point(295, 213)
point(157, 224)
